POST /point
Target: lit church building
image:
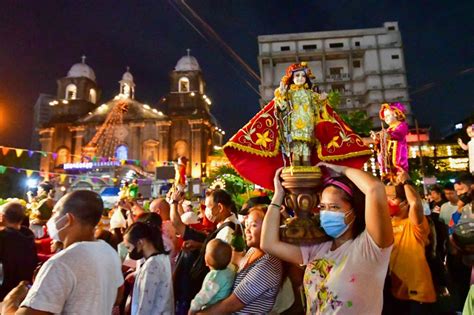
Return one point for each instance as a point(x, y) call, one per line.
point(180, 125)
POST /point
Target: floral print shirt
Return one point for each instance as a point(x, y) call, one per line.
point(348, 280)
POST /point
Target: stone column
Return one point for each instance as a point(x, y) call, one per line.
point(136, 141)
point(46, 140)
point(196, 147)
point(163, 135)
point(78, 142)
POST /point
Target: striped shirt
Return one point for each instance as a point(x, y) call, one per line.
point(257, 285)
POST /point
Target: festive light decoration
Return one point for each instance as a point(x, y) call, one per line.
point(19, 151)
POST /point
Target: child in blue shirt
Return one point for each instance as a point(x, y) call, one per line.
point(218, 282)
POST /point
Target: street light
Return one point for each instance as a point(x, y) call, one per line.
point(31, 182)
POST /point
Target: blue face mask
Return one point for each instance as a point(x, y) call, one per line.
point(333, 223)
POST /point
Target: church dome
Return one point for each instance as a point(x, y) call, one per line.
point(187, 63)
point(81, 70)
point(127, 76)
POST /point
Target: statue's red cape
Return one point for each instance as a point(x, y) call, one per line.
point(255, 152)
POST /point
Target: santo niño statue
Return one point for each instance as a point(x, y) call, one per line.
point(297, 128)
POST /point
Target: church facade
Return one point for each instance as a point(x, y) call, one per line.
point(181, 124)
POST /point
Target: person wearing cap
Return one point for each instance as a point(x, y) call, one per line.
point(345, 275)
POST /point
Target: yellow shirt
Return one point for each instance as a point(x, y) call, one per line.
point(410, 273)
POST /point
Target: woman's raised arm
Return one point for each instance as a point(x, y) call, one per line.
point(270, 240)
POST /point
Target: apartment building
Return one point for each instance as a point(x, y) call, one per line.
point(365, 65)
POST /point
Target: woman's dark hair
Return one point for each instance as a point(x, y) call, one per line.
point(400, 192)
point(357, 201)
point(153, 219)
point(107, 236)
point(142, 230)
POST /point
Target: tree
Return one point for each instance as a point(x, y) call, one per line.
point(358, 120)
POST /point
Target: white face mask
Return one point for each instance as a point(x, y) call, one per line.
point(208, 213)
point(52, 226)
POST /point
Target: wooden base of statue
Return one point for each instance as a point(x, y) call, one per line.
point(302, 185)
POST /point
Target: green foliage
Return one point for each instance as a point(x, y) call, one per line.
point(430, 170)
point(358, 121)
point(234, 183)
point(334, 99)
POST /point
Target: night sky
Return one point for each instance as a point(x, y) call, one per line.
point(41, 40)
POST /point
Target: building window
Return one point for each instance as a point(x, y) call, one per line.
point(71, 92)
point(92, 96)
point(391, 28)
point(357, 44)
point(336, 45)
point(335, 71)
point(285, 48)
point(183, 85)
point(338, 87)
point(356, 63)
point(395, 57)
point(310, 47)
point(125, 90)
point(121, 153)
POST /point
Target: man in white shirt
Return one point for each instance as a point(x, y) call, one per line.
point(449, 207)
point(85, 277)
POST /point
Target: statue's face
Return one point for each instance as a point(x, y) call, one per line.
point(299, 78)
point(389, 117)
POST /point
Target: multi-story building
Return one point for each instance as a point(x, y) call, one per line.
point(365, 65)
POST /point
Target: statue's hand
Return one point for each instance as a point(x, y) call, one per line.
point(323, 96)
point(281, 106)
point(282, 88)
point(374, 135)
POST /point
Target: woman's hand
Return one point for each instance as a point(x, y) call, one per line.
point(176, 196)
point(402, 177)
point(279, 190)
point(334, 170)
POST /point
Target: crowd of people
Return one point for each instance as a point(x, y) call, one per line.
point(391, 252)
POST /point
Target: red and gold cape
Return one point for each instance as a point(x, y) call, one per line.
point(255, 152)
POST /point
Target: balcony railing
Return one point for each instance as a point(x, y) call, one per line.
point(338, 77)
